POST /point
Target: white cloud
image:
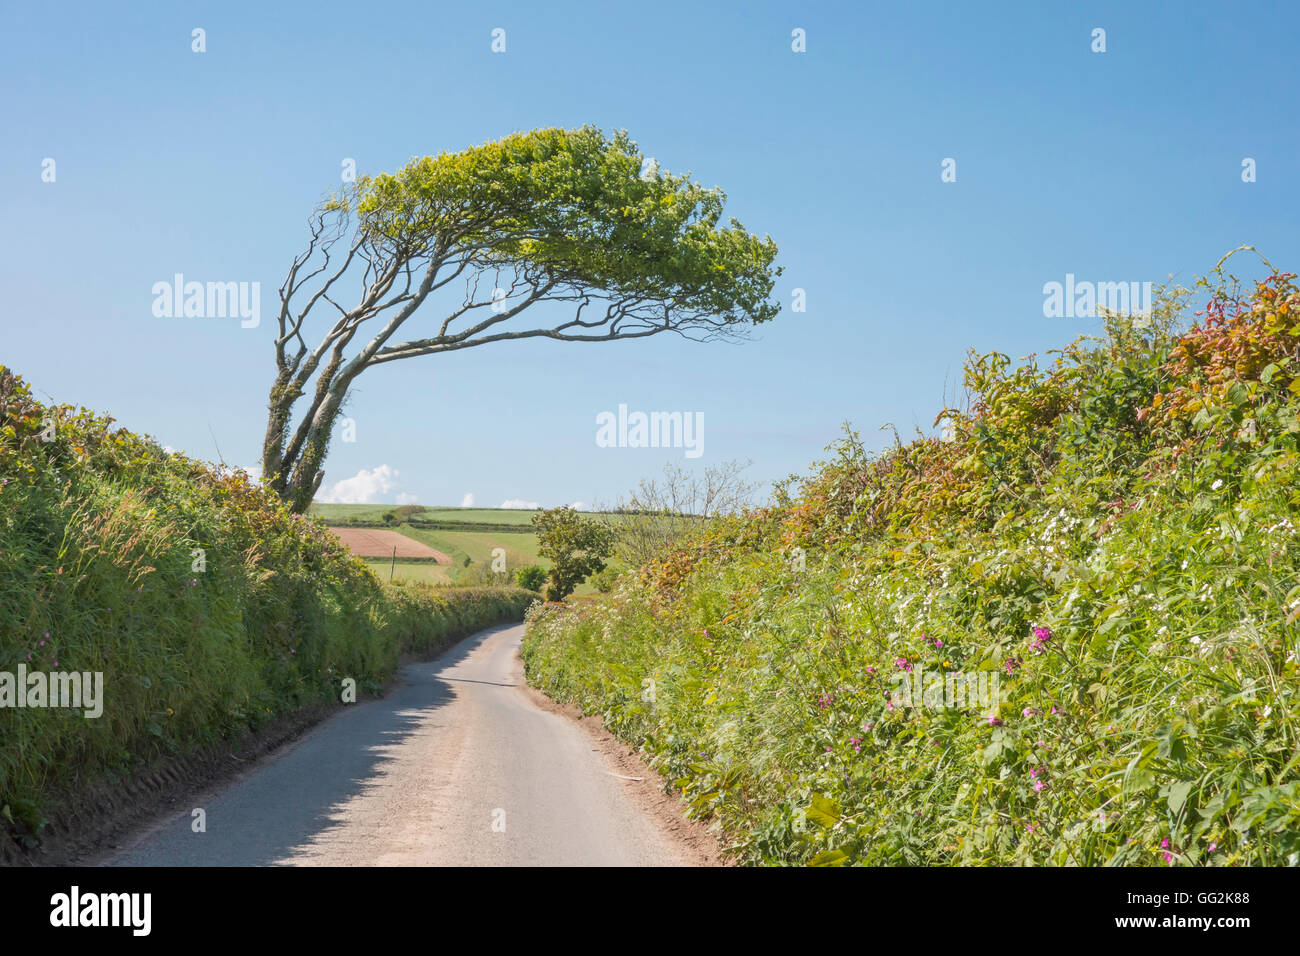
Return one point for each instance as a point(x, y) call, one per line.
point(577, 505)
point(520, 504)
point(364, 488)
point(407, 499)
point(468, 500)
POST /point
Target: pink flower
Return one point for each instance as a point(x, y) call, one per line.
point(903, 664)
point(1030, 712)
point(995, 721)
point(1039, 785)
point(1011, 664)
point(1041, 636)
point(1164, 844)
point(1213, 847)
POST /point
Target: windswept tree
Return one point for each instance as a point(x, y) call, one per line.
point(561, 234)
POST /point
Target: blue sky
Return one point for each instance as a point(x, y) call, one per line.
point(1115, 166)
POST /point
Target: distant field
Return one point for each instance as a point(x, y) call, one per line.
point(378, 543)
point(519, 516)
point(376, 513)
point(477, 544)
point(424, 573)
point(520, 548)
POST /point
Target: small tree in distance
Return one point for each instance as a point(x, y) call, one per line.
point(577, 547)
point(662, 512)
point(530, 577)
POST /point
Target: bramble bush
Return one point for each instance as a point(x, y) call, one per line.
point(1112, 534)
point(207, 605)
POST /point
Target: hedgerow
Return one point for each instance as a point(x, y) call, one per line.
point(209, 608)
point(1111, 534)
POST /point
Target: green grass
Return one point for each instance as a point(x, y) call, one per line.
point(409, 571)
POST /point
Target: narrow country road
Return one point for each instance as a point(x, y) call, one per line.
point(456, 766)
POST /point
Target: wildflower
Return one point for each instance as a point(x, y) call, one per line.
point(903, 664)
point(995, 721)
point(1030, 712)
point(938, 643)
point(1011, 664)
point(1041, 636)
point(1039, 785)
point(1169, 857)
point(871, 670)
point(1212, 847)
point(1218, 483)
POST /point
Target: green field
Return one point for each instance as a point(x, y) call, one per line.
point(473, 543)
point(519, 516)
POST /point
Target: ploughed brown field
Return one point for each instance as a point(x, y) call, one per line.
point(373, 543)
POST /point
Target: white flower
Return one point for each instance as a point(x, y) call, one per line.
point(1218, 483)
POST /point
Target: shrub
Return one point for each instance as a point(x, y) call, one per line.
point(530, 576)
point(603, 580)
